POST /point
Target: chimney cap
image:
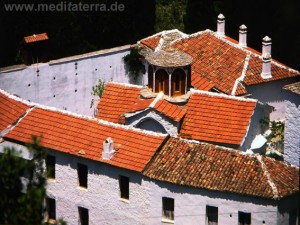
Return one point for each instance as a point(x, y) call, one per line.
point(243, 27)
point(221, 17)
point(267, 39)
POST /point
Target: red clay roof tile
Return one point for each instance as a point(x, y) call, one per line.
point(217, 118)
point(218, 62)
point(36, 37)
point(212, 167)
point(172, 111)
point(118, 99)
point(151, 42)
point(71, 134)
point(11, 109)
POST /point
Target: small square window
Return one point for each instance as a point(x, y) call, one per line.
point(82, 175)
point(50, 166)
point(244, 218)
point(212, 215)
point(83, 216)
point(124, 187)
point(51, 208)
point(168, 208)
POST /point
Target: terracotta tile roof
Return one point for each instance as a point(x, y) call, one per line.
point(73, 134)
point(11, 109)
point(201, 83)
point(118, 99)
point(219, 62)
point(278, 71)
point(36, 37)
point(214, 60)
point(172, 111)
point(212, 167)
point(217, 118)
point(295, 88)
point(151, 42)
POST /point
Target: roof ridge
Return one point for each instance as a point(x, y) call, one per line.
point(243, 75)
point(221, 95)
point(125, 84)
point(269, 179)
point(100, 121)
point(16, 98)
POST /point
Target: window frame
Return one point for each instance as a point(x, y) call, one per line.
point(212, 215)
point(168, 208)
point(82, 174)
point(50, 166)
point(244, 218)
point(178, 79)
point(51, 209)
point(83, 216)
point(124, 187)
point(162, 81)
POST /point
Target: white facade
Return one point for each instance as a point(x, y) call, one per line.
point(271, 93)
point(102, 198)
point(67, 83)
point(292, 128)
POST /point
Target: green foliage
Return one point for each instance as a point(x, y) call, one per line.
point(277, 128)
point(21, 205)
point(170, 14)
point(133, 60)
point(23, 202)
point(97, 90)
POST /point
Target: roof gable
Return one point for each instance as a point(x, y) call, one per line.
point(212, 167)
point(118, 99)
point(82, 136)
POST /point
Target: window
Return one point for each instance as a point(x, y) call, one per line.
point(124, 187)
point(293, 217)
point(244, 218)
point(178, 82)
point(51, 208)
point(83, 216)
point(168, 208)
point(211, 215)
point(150, 77)
point(82, 175)
point(50, 166)
point(162, 82)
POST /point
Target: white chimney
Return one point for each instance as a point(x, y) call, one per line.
point(243, 36)
point(266, 45)
point(266, 66)
point(108, 149)
point(221, 25)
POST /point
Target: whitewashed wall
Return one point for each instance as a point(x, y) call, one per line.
point(164, 124)
point(190, 205)
point(272, 94)
point(102, 197)
point(145, 201)
point(292, 128)
point(62, 84)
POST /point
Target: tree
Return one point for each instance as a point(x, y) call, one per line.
point(22, 185)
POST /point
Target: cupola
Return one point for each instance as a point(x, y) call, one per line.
point(169, 72)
